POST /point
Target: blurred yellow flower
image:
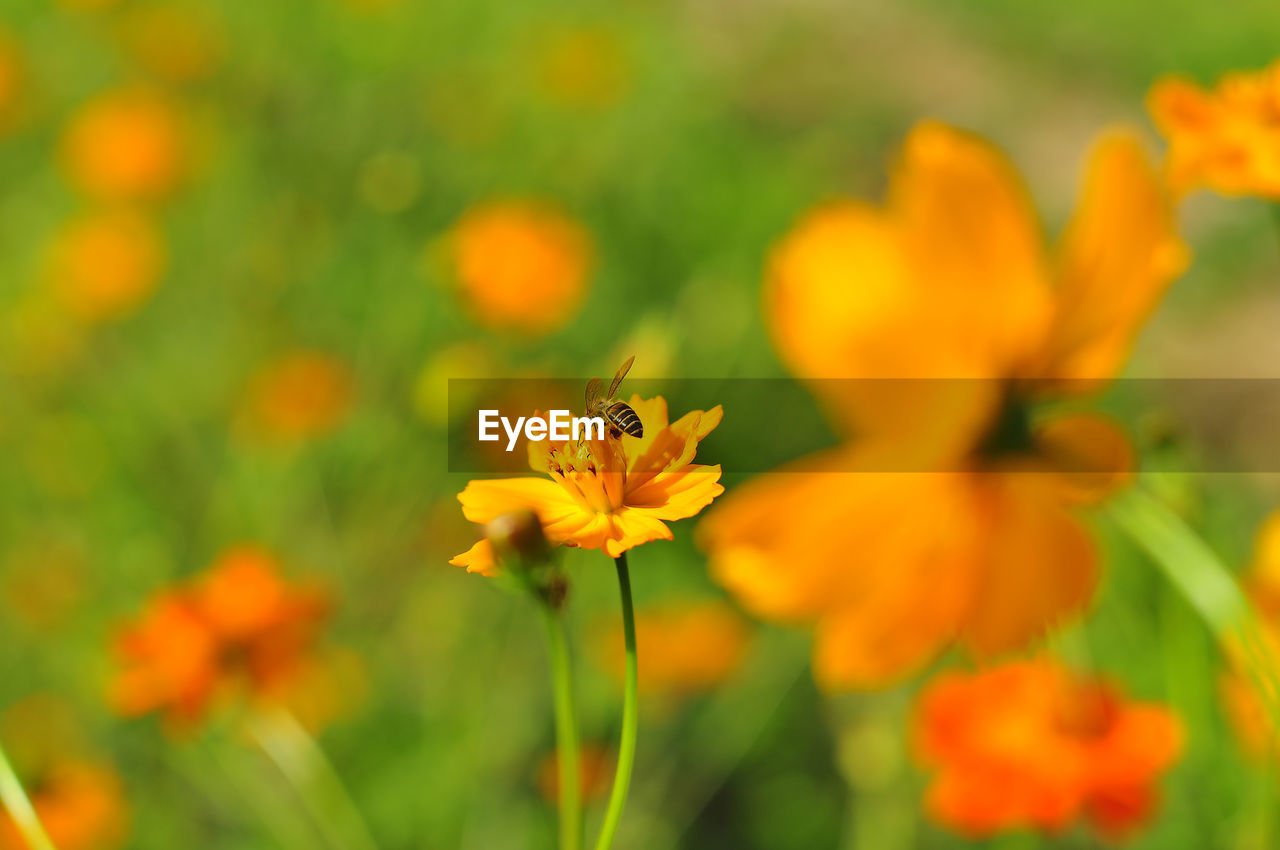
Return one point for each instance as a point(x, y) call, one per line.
point(106, 264)
point(298, 396)
point(80, 805)
point(687, 647)
point(1226, 138)
point(604, 494)
point(125, 145)
point(240, 625)
point(585, 67)
point(1031, 745)
point(949, 515)
point(521, 266)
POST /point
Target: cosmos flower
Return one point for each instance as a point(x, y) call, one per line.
point(125, 145)
point(297, 396)
point(604, 494)
point(666, 633)
point(933, 328)
point(1031, 745)
point(104, 265)
point(520, 265)
point(81, 806)
point(239, 626)
point(1226, 138)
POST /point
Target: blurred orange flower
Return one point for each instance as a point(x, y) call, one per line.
point(687, 647)
point(932, 327)
point(595, 769)
point(238, 626)
point(104, 265)
point(1030, 745)
point(604, 494)
point(300, 395)
point(125, 145)
point(1245, 707)
point(80, 805)
point(1227, 138)
point(522, 266)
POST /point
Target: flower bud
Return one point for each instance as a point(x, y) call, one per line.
point(518, 537)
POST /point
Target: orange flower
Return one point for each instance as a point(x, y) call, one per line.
point(1226, 139)
point(105, 265)
point(1245, 707)
point(950, 516)
point(238, 626)
point(604, 494)
point(595, 769)
point(521, 265)
point(301, 395)
point(125, 145)
point(80, 805)
point(687, 647)
point(1029, 744)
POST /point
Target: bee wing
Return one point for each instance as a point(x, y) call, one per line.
point(593, 391)
point(622, 373)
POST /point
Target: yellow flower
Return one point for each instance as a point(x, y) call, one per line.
point(521, 265)
point(1226, 139)
point(604, 494)
point(950, 516)
point(105, 265)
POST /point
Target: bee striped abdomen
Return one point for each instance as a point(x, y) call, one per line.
point(624, 419)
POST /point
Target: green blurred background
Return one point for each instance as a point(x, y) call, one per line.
point(329, 148)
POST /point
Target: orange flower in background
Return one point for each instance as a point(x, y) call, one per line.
point(595, 769)
point(687, 647)
point(1031, 745)
point(604, 494)
point(105, 265)
point(238, 626)
point(125, 145)
point(80, 805)
point(1226, 138)
point(300, 395)
point(521, 266)
point(931, 327)
point(1246, 708)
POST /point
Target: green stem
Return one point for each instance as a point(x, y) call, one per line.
point(1202, 580)
point(630, 712)
point(318, 784)
point(19, 807)
point(566, 731)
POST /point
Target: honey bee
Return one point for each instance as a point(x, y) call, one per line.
point(618, 415)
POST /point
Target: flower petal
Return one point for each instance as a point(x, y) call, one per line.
point(1041, 566)
point(1117, 256)
point(484, 500)
point(677, 494)
point(478, 559)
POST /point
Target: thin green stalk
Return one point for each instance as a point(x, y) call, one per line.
point(630, 714)
point(1203, 581)
point(566, 731)
point(19, 807)
point(318, 784)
